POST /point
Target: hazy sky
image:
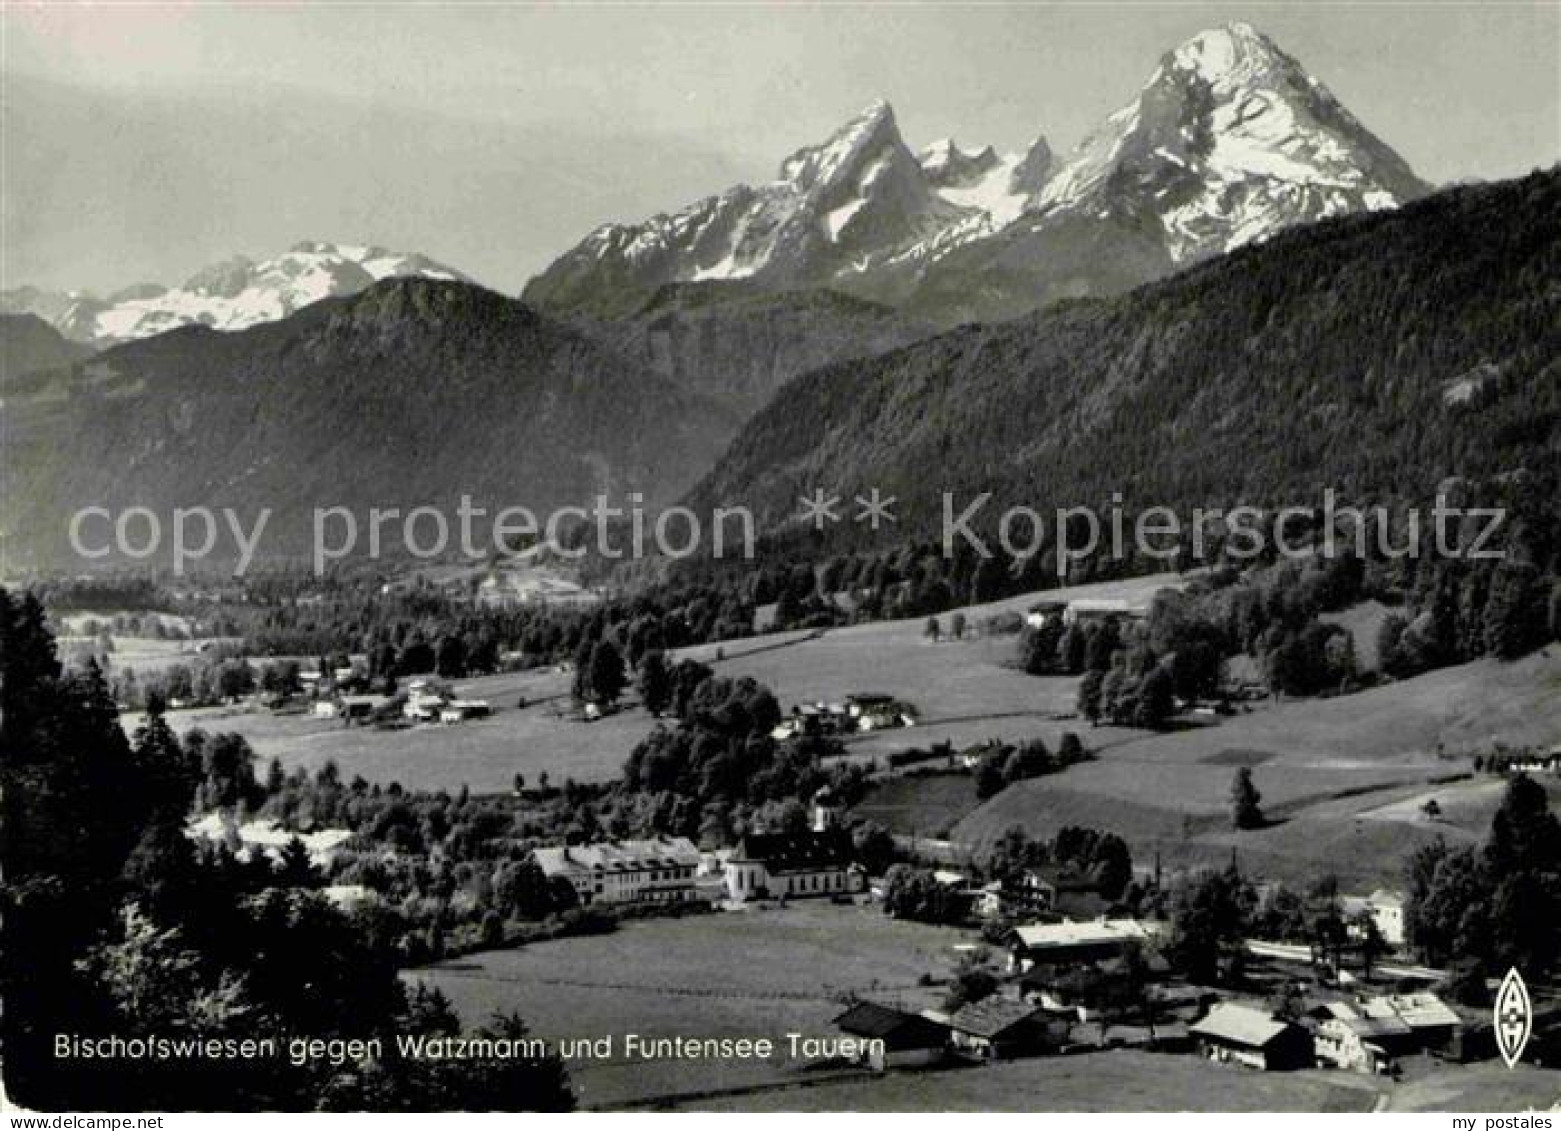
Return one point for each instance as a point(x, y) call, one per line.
point(142, 142)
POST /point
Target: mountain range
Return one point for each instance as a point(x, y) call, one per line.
point(1379, 355)
point(414, 391)
point(232, 295)
point(1228, 142)
point(1232, 289)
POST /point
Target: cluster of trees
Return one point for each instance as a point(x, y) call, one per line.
point(915, 893)
point(1135, 674)
point(910, 580)
point(1100, 859)
point(1459, 611)
point(1495, 905)
point(425, 630)
point(116, 921)
point(1084, 858)
point(450, 872)
point(1001, 765)
point(107, 595)
point(205, 681)
point(599, 675)
point(718, 771)
point(1211, 918)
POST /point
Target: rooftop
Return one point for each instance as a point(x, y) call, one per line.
point(1241, 1025)
point(892, 1026)
point(1042, 936)
point(1368, 1022)
point(991, 1016)
point(781, 852)
point(619, 856)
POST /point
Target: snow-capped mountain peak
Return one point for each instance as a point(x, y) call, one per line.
point(949, 166)
point(819, 168)
point(233, 294)
point(1230, 55)
point(1229, 141)
point(858, 196)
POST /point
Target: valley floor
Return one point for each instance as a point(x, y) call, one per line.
point(1343, 779)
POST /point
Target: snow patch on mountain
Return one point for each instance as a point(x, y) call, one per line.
point(237, 293)
point(992, 193)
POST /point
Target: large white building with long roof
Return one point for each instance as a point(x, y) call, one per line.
point(659, 870)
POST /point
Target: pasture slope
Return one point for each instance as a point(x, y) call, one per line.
point(1343, 780)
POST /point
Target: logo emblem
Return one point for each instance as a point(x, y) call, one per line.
point(1514, 1017)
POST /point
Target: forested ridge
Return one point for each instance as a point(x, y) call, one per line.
point(1378, 355)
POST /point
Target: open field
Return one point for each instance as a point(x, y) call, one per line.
point(1487, 1086)
point(1119, 1080)
point(142, 654)
point(736, 974)
point(962, 689)
point(919, 806)
point(959, 686)
point(1342, 779)
point(484, 754)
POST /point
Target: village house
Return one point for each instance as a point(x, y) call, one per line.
point(354, 708)
point(1033, 890)
point(660, 870)
point(878, 712)
point(896, 1039)
point(423, 704)
point(812, 720)
point(1076, 989)
point(1071, 944)
point(1436, 1025)
point(1045, 613)
point(1098, 610)
point(996, 1028)
point(1386, 909)
point(459, 710)
point(1046, 892)
point(863, 703)
point(1372, 1034)
point(1350, 1038)
point(990, 901)
point(268, 838)
point(1538, 761)
point(828, 810)
point(1249, 1035)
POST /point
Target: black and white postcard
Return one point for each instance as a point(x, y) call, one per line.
point(779, 557)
